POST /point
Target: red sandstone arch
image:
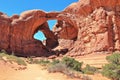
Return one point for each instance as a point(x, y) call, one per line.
point(20, 30)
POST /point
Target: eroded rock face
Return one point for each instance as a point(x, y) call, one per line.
point(16, 33)
point(97, 23)
point(65, 30)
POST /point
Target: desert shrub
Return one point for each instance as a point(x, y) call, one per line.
point(42, 61)
point(67, 66)
point(62, 68)
point(55, 61)
point(18, 60)
point(12, 58)
point(72, 63)
point(112, 70)
point(114, 58)
point(29, 60)
point(21, 62)
point(2, 55)
point(59, 67)
point(89, 69)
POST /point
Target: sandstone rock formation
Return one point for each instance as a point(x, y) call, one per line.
point(84, 27)
point(97, 24)
point(16, 33)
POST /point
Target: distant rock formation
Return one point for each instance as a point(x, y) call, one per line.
point(84, 27)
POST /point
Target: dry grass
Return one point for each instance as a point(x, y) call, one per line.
point(11, 58)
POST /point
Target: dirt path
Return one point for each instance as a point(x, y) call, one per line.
point(33, 72)
point(36, 72)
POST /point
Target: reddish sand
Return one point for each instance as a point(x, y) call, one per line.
point(36, 72)
point(96, 60)
point(33, 72)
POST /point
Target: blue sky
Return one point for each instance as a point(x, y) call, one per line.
point(11, 7)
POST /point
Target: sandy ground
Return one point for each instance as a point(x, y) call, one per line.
point(96, 60)
point(98, 77)
point(33, 72)
point(36, 72)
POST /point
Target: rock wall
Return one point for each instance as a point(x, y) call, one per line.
point(97, 23)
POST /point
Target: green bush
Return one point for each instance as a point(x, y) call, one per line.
point(114, 58)
point(12, 58)
point(54, 61)
point(72, 63)
point(112, 70)
point(89, 69)
point(65, 64)
point(59, 67)
point(29, 60)
point(2, 55)
point(44, 62)
point(18, 60)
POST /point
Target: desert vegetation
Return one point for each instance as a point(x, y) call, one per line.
point(112, 69)
point(70, 66)
point(73, 68)
point(12, 58)
point(89, 70)
point(67, 65)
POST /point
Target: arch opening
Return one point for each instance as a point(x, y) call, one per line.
point(39, 35)
point(45, 34)
point(51, 23)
